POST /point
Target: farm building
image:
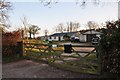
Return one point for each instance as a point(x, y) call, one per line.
point(83, 36)
point(60, 36)
point(88, 35)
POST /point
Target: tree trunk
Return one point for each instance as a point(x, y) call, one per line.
point(30, 35)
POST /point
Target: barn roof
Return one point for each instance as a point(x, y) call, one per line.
point(92, 32)
point(62, 34)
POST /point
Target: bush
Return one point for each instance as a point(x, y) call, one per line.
point(109, 48)
point(9, 50)
point(66, 37)
point(9, 43)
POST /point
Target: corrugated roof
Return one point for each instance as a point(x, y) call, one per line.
point(92, 32)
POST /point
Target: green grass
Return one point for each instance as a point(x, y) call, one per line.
point(88, 64)
point(75, 68)
point(83, 65)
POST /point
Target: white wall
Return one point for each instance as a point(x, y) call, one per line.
point(83, 38)
point(56, 39)
point(98, 35)
point(61, 38)
point(53, 39)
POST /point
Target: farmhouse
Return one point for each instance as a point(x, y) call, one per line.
point(60, 36)
point(83, 36)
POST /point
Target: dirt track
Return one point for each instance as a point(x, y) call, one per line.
point(30, 69)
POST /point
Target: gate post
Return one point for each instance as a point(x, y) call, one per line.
point(20, 48)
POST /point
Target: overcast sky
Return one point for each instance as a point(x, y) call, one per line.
point(62, 12)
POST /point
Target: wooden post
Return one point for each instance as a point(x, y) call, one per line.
point(20, 48)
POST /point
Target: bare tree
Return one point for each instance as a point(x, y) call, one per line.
point(46, 32)
point(30, 32)
point(78, 2)
point(29, 28)
point(76, 26)
point(102, 25)
point(5, 7)
point(92, 25)
point(69, 26)
point(48, 2)
point(60, 28)
point(72, 26)
point(25, 26)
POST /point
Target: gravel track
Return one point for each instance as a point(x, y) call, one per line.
point(31, 69)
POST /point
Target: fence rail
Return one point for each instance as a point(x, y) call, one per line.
point(45, 48)
point(53, 54)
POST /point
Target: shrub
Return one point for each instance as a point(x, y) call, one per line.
point(109, 48)
point(66, 37)
point(9, 43)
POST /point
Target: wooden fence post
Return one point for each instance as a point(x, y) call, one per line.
point(20, 48)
